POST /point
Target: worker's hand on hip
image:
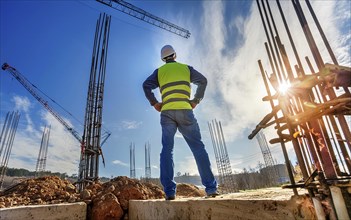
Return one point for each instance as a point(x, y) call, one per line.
point(158, 106)
point(193, 104)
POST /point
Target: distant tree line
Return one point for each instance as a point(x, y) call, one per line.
point(15, 172)
point(20, 172)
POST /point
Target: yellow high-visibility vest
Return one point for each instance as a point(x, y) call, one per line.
point(174, 80)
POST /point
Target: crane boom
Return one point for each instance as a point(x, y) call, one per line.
point(30, 87)
point(139, 13)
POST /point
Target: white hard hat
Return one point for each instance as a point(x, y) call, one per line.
point(166, 51)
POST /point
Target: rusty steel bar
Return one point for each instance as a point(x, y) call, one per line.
point(283, 75)
point(313, 114)
point(280, 66)
point(275, 66)
point(322, 99)
point(306, 29)
point(344, 126)
point(282, 143)
point(327, 162)
point(297, 57)
point(285, 58)
point(321, 32)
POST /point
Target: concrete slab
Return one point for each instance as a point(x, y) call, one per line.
point(69, 211)
point(209, 209)
point(266, 204)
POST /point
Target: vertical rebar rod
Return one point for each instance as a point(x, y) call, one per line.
point(331, 53)
point(333, 122)
point(229, 168)
point(91, 143)
point(215, 151)
point(282, 143)
point(7, 142)
point(4, 132)
point(39, 160)
point(306, 29)
point(327, 163)
point(297, 57)
point(276, 47)
point(276, 72)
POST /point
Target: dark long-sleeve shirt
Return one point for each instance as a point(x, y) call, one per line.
point(196, 78)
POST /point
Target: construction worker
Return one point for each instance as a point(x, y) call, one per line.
point(174, 80)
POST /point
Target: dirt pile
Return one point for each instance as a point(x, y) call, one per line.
point(108, 200)
point(188, 190)
point(40, 191)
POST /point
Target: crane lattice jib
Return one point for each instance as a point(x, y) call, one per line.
point(139, 13)
point(30, 87)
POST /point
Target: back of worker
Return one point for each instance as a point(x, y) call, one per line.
point(174, 79)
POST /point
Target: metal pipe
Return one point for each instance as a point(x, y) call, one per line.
point(339, 203)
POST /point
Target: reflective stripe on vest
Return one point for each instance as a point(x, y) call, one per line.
point(174, 80)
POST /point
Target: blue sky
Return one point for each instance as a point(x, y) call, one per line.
point(50, 43)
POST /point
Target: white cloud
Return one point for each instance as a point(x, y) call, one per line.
point(118, 162)
point(234, 78)
point(21, 103)
point(187, 164)
point(235, 89)
point(63, 149)
point(131, 124)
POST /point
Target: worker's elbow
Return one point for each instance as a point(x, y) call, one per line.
point(146, 86)
point(205, 81)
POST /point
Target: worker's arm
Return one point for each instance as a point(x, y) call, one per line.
point(198, 79)
point(150, 84)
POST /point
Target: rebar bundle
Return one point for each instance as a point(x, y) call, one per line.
point(226, 178)
point(7, 137)
point(147, 161)
point(91, 146)
point(132, 160)
point(43, 152)
point(267, 157)
point(309, 113)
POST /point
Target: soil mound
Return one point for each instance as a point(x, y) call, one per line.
point(189, 190)
point(39, 191)
point(107, 200)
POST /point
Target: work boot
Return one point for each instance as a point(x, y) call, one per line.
point(170, 197)
point(214, 194)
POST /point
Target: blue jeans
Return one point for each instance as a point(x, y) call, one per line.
point(185, 121)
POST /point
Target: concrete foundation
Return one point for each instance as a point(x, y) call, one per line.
point(69, 211)
point(212, 208)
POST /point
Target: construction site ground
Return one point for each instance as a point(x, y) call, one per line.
point(125, 198)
